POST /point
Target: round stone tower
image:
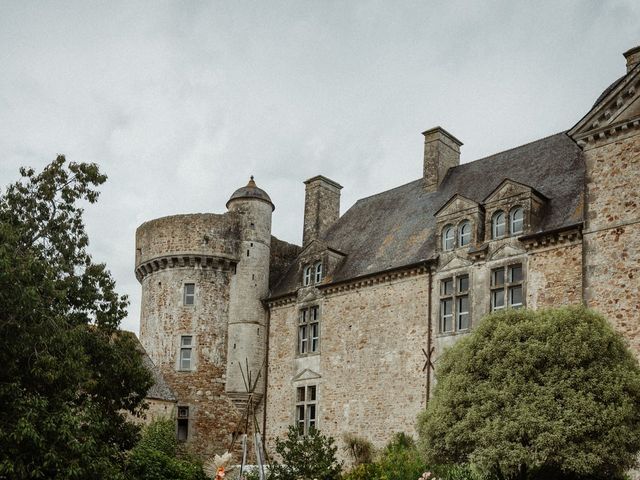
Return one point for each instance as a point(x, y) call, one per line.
point(247, 335)
point(185, 264)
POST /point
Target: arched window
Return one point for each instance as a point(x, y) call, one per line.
point(464, 233)
point(516, 220)
point(307, 275)
point(498, 224)
point(318, 278)
point(448, 238)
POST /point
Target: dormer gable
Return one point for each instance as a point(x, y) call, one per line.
point(508, 199)
point(618, 111)
point(318, 254)
point(510, 188)
point(456, 205)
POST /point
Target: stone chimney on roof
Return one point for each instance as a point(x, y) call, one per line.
point(321, 207)
point(633, 57)
point(441, 152)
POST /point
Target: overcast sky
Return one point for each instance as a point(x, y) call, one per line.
point(179, 102)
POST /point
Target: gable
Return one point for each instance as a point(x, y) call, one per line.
point(456, 204)
point(619, 107)
point(506, 251)
point(306, 374)
point(509, 188)
point(454, 263)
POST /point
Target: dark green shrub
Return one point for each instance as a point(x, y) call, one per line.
point(156, 457)
point(307, 457)
point(359, 449)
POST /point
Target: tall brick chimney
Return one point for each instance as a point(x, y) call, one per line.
point(633, 57)
point(321, 207)
point(441, 152)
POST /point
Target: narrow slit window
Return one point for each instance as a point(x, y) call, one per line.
point(186, 352)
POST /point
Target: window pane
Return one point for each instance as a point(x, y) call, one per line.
point(300, 394)
point(497, 299)
point(446, 315)
point(463, 283)
point(517, 220)
point(185, 359)
point(307, 276)
point(303, 316)
point(447, 286)
point(189, 293)
point(318, 272)
point(463, 312)
point(515, 296)
point(314, 337)
point(183, 430)
point(311, 412)
point(186, 341)
point(314, 312)
point(463, 321)
point(311, 393)
point(448, 238)
point(515, 273)
point(498, 225)
point(465, 234)
point(302, 338)
point(497, 277)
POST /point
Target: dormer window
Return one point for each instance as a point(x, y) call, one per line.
point(448, 238)
point(464, 234)
point(516, 220)
point(318, 276)
point(307, 275)
point(498, 224)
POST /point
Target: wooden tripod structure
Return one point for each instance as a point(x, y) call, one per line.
point(248, 419)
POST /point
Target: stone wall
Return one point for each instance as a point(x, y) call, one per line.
point(369, 370)
point(612, 234)
point(555, 276)
point(156, 410)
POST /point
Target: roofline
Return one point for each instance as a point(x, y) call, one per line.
point(564, 228)
point(419, 263)
point(324, 179)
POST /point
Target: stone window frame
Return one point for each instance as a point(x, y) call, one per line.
point(502, 285)
point(494, 225)
point(188, 295)
point(461, 225)
point(312, 273)
point(182, 423)
point(308, 331)
point(454, 299)
point(512, 219)
point(306, 407)
point(448, 235)
point(191, 347)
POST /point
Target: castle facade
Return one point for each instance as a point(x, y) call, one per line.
point(343, 333)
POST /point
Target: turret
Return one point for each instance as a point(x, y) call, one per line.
point(247, 334)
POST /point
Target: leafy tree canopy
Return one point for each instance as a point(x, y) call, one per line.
point(66, 376)
point(546, 394)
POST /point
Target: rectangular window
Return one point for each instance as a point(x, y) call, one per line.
point(306, 413)
point(455, 313)
point(189, 294)
point(183, 424)
point(186, 351)
point(509, 293)
point(309, 330)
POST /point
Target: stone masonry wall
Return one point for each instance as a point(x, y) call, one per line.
point(555, 276)
point(612, 234)
point(370, 381)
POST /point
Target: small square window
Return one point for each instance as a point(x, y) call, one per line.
point(189, 293)
point(497, 277)
point(515, 273)
point(446, 287)
point(463, 283)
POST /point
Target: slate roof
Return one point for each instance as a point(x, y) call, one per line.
point(396, 228)
point(160, 390)
point(251, 190)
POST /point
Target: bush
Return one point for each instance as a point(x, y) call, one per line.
point(552, 394)
point(359, 449)
point(307, 457)
point(156, 456)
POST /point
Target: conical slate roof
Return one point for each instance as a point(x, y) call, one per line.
point(251, 191)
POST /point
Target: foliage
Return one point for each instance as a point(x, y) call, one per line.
point(157, 457)
point(547, 394)
point(66, 376)
point(399, 460)
point(359, 449)
point(311, 456)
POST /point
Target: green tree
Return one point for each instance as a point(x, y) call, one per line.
point(157, 457)
point(306, 457)
point(67, 377)
point(547, 394)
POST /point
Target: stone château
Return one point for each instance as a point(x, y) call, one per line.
point(346, 329)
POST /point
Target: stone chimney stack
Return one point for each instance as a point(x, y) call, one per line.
point(321, 207)
point(441, 152)
point(633, 57)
